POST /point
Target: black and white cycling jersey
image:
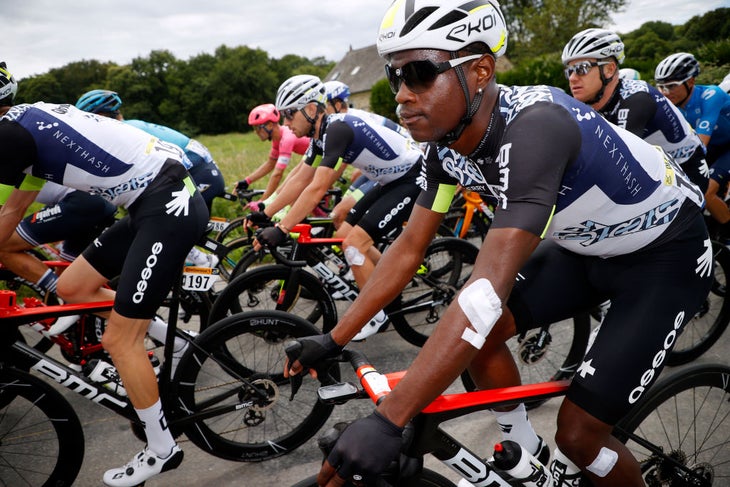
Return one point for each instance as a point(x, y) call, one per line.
point(380, 148)
point(607, 193)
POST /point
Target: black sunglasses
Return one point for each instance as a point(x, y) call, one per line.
point(420, 75)
point(289, 113)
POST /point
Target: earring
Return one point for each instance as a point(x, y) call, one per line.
point(480, 91)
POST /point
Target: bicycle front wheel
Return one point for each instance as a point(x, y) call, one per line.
point(277, 287)
point(42, 438)
point(680, 431)
point(233, 375)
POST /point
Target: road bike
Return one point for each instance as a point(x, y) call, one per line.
point(305, 281)
point(678, 431)
point(222, 396)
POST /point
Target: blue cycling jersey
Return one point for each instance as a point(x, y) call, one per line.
point(708, 111)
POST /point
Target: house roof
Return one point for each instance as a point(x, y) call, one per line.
point(361, 68)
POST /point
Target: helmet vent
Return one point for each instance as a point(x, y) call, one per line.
point(416, 19)
point(448, 19)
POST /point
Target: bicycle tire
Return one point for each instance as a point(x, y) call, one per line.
point(260, 289)
point(42, 437)
point(249, 345)
point(708, 325)
point(426, 478)
point(447, 266)
point(685, 415)
point(233, 231)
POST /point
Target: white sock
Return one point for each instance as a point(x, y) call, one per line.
point(158, 331)
point(516, 426)
point(159, 438)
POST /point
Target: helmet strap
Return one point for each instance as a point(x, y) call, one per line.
point(471, 107)
point(689, 93)
point(312, 120)
point(604, 82)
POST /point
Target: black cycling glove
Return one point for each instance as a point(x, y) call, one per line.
point(259, 219)
point(271, 236)
point(242, 185)
point(366, 448)
point(317, 348)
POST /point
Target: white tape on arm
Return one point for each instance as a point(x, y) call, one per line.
point(482, 307)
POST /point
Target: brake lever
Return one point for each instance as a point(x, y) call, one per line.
point(293, 350)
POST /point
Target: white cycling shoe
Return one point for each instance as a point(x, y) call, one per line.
point(144, 465)
point(372, 327)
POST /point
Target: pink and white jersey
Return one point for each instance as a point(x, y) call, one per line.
point(282, 149)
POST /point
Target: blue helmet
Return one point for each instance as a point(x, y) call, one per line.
point(336, 89)
point(100, 101)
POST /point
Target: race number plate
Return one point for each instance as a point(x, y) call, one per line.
point(199, 278)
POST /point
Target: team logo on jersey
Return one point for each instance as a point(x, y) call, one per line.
point(44, 126)
point(46, 214)
point(592, 232)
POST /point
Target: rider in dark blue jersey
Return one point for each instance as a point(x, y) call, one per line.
point(617, 220)
point(146, 249)
point(74, 217)
point(591, 60)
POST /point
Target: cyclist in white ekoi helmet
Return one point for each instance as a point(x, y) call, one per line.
point(561, 175)
point(591, 59)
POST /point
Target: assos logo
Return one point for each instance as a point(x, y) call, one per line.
point(147, 273)
point(658, 360)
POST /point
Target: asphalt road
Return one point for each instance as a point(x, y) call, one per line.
point(110, 443)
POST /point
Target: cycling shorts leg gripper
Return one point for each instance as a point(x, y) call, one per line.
point(482, 307)
point(604, 462)
point(353, 256)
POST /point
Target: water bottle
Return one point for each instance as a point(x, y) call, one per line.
point(105, 373)
point(564, 472)
point(510, 457)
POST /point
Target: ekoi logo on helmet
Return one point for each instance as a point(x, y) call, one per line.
point(462, 32)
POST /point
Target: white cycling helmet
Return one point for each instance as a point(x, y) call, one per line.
point(679, 66)
point(594, 43)
point(628, 73)
point(336, 89)
point(8, 85)
point(448, 25)
point(299, 90)
point(725, 83)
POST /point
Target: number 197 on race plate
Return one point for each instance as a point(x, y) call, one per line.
point(199, 278)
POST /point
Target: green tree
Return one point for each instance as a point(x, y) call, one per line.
point(44, 87)
point(382, 100)
point(543, 27)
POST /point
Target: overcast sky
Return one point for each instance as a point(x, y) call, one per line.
point(38, 35)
